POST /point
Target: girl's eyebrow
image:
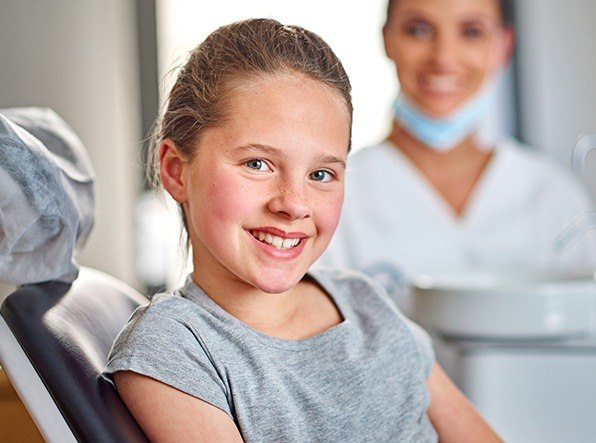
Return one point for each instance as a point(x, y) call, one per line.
point(271, 150)
point(332, 159)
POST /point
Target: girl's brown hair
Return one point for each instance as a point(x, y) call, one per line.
point(233, 53)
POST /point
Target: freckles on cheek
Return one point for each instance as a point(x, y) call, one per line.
point(332, 212)
point(228, 199)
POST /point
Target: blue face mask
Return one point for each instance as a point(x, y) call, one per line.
point(444, 134)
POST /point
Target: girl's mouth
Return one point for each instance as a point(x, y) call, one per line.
point(275, 240)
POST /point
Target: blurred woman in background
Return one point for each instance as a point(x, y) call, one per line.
point(437, 195)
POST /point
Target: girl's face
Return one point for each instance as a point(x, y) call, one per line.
point(264, 192)
point(445, 50)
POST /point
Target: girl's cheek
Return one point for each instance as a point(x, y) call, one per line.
point(331, 212)
point(231, 198)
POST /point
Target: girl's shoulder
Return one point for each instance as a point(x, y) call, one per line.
point(355, 290)
point(344, 282)
point(365, 302)
point(168, 315)
point(168, 304)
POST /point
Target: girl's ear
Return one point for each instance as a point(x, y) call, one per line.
point(172, 164)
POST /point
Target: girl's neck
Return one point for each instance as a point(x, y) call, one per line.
point(303, 311)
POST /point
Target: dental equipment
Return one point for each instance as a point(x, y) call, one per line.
point(578, 227)
point(586, 221)
point(582, 147)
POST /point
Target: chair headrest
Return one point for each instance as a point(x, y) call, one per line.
point(47, 199)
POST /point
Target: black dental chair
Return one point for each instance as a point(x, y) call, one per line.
point(54, 342)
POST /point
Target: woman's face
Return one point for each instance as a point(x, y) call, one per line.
point(445, 50)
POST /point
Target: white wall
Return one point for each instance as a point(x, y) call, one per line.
point(79, 58)
point(557, 62)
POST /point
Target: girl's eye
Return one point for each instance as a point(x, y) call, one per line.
point(321, 176)
point(257, 165)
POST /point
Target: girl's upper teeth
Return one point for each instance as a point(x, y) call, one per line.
point(276, 241)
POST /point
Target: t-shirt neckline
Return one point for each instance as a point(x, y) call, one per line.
point(193, 293)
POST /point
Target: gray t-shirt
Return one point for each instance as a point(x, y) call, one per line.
point(361, 380)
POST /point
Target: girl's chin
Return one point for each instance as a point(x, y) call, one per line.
point(277, 284)
point(275, 288)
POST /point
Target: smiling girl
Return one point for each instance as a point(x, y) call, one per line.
point(253, 146)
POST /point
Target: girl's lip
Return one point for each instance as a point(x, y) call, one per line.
point(278, 232)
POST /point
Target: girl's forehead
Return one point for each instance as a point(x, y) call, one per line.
point(284, 113)
point(275, 86)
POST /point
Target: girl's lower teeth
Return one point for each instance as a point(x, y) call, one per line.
point(276, 242)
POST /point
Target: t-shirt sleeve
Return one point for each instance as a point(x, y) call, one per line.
point(421, 337)
point(158, 342)
point(424, 343)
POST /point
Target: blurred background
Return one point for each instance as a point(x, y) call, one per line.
point(104, 66)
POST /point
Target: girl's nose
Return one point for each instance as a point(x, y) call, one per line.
point(291, 202)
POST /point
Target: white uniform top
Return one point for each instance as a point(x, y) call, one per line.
point(393, 219)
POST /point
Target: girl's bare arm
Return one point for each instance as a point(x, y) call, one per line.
point(452, 414)
point(166, 414)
